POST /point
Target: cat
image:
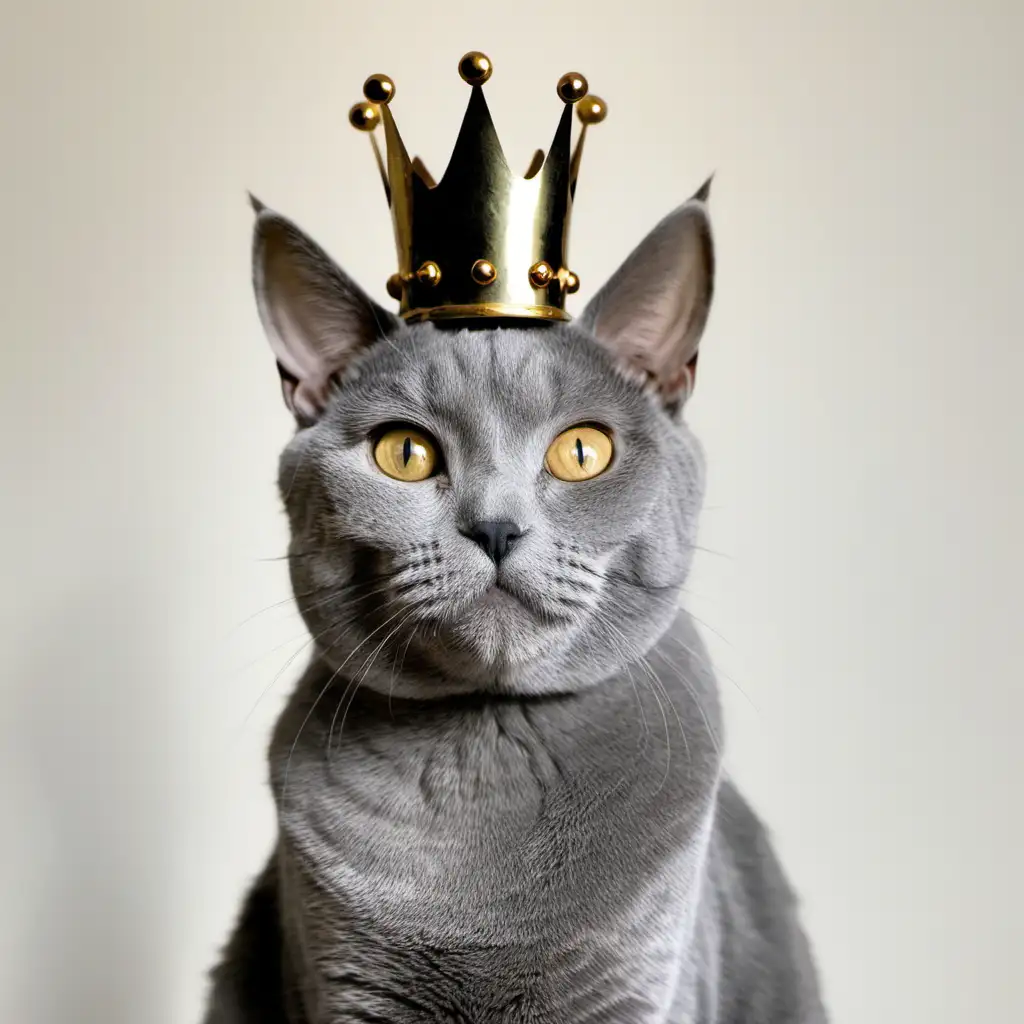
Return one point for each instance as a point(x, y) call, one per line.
point(499, 782)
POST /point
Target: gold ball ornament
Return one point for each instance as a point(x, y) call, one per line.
point(396, 286)
point(379, 89)
point(591, 110)
point(572, 87)
point(541, 274)
point(364, 117)
point(475, 68)
point(484, 272)
point(429, 273)
point(572, 283)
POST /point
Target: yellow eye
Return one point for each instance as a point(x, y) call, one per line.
point(580, 453)
point(406, 454)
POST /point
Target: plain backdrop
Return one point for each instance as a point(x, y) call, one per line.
point(859, 398)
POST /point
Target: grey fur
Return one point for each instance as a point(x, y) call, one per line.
point(499, 791)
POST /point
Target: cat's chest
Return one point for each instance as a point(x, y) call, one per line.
point(462, 829)
point(550, 913)
point(506, 864)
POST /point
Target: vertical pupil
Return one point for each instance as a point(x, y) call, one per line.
point(580, 458)
point(406, 451)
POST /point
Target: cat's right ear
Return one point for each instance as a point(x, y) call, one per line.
point(317, 319)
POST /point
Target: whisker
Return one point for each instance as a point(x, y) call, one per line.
point(284, 668)
point(656, 690)
point(714, 670)
point(391, 685)
point(364, 671)
point(319, 696)
point(696, 699)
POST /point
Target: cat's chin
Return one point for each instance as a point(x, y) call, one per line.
point(501, 628)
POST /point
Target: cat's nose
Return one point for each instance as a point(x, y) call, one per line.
point(495, 537)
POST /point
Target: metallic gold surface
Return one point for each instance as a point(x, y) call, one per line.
point(475, 67)
point(535, 164)
point(480, 310)
point(429, 273)
point(475, 243)
point(420, 168)
point(364, 117)
point(484, 272)
point(572, 86)
point(541, 274)
point(379, 89)
point(381, 166)
point(591, 110)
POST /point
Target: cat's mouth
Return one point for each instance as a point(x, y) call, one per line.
point(506, 595)
point(497, 596)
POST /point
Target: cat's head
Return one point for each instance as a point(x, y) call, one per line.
point(509, 508)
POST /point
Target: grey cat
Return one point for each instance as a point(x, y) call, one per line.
point(499, 782)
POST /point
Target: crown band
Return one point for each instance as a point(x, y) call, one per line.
point(475, 310)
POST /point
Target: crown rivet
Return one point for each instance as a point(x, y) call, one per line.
point(541, 274)
point(379, 89)
point(572, 87)
point(591, 110)
point(484, 272)
point(396, 286)
point(364, 116)
point(429, 273)
point(572, 283)
point(475, 68)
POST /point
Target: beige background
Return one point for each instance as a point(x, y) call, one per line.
point(859, 397)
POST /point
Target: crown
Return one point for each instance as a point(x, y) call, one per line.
point(482, 241)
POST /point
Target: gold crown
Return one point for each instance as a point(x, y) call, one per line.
point(481, 242)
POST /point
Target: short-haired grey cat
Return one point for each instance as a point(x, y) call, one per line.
point(499, 782)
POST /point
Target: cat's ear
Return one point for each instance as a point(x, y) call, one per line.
point(317, 319)
point(651, 313)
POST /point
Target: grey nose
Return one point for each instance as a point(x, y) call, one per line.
point(494, 537)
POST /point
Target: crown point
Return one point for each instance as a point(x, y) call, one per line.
point(541, 274)
point(364, 117)
point(475, 68)
point(429, 273)
point(572, 87)
point(572, 282)
point(396, 287)
point(591, 110)
point(484, 272)
point(379, 89)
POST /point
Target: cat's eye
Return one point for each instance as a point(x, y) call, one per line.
point(580, 453)
point(404, 453)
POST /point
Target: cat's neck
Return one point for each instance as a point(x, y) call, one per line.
point(639, 750)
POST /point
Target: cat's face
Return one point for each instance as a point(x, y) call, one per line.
point(503, 509)
point(597, 562)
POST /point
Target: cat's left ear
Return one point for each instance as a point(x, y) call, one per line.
point(316, 318)
point(651, 313)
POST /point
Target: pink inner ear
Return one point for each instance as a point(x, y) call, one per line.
point(306, 399)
